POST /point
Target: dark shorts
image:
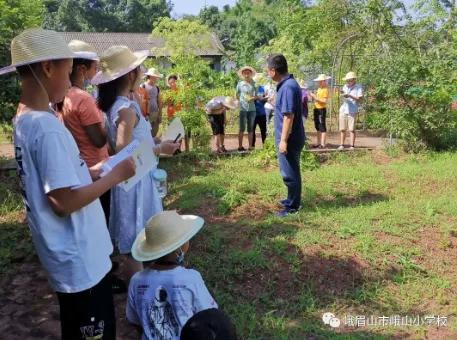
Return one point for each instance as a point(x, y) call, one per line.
point(319, 119)
point(89, 313)
point(217, 124)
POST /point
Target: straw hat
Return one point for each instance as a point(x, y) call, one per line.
point(240, 71)
point(302, 84)
point(164, 233)
point(83, 50)
point(230, 102)
point(322, 77)
point(153, 72)
point(350, 75)
point(117, 61)
point(259, 78)
point(34, 45)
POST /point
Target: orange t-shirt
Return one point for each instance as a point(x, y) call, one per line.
point(80, 110)
point(172, 109)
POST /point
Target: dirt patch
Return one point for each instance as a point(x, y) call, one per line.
point(26, 296)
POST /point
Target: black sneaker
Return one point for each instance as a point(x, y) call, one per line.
point(286, 212)
point(241, 149)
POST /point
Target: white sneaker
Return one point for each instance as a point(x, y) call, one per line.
point(341, 147)
point(351, 148)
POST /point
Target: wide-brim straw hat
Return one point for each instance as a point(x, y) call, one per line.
point(165, 233)
point(302, 84)
point(83, 50)
point(240, 71)
point(231, 103)
point(34, 45)
point(350, 75)
point(117, 61)
point(322, 77)
point(153, 72)
point(259, 78)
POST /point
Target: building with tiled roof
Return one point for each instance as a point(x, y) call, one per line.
point(143, 41)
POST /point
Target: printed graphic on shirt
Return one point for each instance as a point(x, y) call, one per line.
point(21, 174)
point(94, 331)
point(162, 318)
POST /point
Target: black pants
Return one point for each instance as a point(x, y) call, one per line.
point(89, 313)
point(105, 201)
point(261, 121)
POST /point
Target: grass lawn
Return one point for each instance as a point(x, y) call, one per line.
point(376, 237)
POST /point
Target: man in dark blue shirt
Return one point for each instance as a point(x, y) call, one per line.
point(289, 131)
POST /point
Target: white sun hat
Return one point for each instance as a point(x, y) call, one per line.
point(117, 61)
point(350, 75)
point(34, 45)
point(244, 68)
point(164, 233)
point(153, 72)
point(230, 102)
point(322, 77)
point(83, 50)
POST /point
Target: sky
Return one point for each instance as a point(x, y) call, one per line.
point(193, 6)
point(182, 7)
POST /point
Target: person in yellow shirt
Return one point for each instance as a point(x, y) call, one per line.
point(320, 109)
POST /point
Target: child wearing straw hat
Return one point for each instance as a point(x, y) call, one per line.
point(320, 109)
point(120, 73)
point(245, 93)
point(216, 109)
point(165, 295)
point(151, 102)
point(80, 112)
point(63, 211)
point(352, 94)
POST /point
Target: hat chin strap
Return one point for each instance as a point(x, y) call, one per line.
point(38, 80)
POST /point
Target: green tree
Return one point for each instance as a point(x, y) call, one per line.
point(194, 73)
point(105, 15)
point(15, 16)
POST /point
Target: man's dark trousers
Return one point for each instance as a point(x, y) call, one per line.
point(289, 166)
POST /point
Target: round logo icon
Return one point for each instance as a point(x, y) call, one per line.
point(327, 317)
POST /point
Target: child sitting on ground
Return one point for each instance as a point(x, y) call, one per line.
point(165, 295)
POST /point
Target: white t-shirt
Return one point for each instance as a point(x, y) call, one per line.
point(350, 106)
point(215, 105)
point(162, 301)
point(73, 249)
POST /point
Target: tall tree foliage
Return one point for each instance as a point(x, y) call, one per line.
point(105, 15)
point(15, 16)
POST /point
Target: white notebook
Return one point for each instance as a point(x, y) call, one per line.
point(144, 158)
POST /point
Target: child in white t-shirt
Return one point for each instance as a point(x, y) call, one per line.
point(64, 214)
point(163, 296)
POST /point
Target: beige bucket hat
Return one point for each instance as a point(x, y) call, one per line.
point(240, 71)
point(117, 61)
point(231, 103)
point(164, 233)
point(322, 77)
point(153, 72)
point(350, 75)
point(302, 84)
point(34, 45)
point(83, 50)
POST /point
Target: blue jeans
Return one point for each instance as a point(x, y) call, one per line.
point(289, 166)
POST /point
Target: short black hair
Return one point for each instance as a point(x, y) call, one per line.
point(173, 76)
point(278, 62)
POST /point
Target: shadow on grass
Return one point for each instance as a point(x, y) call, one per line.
point(275, 290)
